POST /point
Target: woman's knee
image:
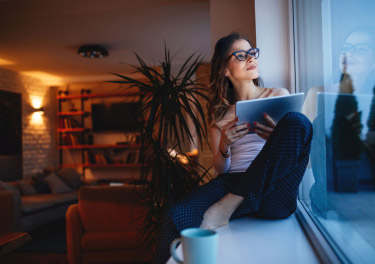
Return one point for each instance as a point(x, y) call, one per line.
point(297, 122)
point(296, 118)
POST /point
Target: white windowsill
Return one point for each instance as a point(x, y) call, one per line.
point(250, 240)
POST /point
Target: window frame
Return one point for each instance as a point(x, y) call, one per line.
point(323, 248)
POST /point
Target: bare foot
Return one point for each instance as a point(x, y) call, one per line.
point(219, 213)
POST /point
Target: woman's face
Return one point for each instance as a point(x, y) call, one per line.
point(358, 55)
point(237, 70)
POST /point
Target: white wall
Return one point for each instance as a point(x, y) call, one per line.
point(272, 36)
point(231, 16)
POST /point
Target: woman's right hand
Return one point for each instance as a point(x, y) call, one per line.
point(355, 121)
point(231, 133)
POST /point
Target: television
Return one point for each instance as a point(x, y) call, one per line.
point(115, 117)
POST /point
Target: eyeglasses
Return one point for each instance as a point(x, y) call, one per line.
point(242, 55)
point(359, 49)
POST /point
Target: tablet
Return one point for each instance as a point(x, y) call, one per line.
point(327, 107)
point(250, 111)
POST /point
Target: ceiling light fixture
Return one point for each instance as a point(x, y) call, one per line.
point(92, 51)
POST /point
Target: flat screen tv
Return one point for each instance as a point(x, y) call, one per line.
point(115, 117)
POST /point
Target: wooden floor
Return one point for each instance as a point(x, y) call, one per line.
point(33, 258)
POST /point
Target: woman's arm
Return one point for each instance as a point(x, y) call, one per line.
point(221, 164)
point(223, 139)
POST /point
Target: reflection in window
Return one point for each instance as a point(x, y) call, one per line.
point(335, 68)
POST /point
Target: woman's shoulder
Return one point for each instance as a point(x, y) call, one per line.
point(279, 91)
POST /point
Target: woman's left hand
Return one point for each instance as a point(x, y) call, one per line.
point(264, 131)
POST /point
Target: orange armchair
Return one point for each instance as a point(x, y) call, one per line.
point(104, 226)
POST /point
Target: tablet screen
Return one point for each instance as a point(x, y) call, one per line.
point(250, 111)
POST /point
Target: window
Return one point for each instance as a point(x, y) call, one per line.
point(334, 44)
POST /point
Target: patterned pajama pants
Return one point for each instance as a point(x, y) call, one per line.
point(269, 185)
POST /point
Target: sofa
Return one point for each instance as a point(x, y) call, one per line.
point(105, 226)
point(29, 204)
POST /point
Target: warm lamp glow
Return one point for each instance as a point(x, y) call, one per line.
point(183, 158)
point(37, 111)
point(36, 118)
point(194, 152)
point(4, 62)
point(46, 78)
point(37, 115)
point(36, 101)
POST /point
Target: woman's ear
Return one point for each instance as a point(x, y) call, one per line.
point(226, 72)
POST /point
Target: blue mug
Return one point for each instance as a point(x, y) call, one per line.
point(199, 246)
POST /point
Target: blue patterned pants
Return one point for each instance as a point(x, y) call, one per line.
point(269, 185)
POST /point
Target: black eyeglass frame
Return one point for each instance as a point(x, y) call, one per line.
point(346, 48)
point(247, 52)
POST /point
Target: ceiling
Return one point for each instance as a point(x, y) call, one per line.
point(41, 37)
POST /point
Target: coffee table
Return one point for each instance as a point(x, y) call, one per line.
point(12, 241)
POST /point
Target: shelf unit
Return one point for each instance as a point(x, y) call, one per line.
point(72, 132)
point(114, 165)
point(128, 146)
point(89, 165)
point(73, 113)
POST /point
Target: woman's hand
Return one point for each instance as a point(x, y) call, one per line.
point(355, 121)
point(264, 131)
point(231, 133)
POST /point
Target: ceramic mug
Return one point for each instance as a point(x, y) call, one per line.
point(199, 246)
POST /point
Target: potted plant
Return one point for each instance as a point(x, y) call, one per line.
point(166, 103)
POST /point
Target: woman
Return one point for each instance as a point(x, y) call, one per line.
point(349, 140)
point(259, 172)
point(356, 62)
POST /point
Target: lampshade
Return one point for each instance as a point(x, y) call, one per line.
point(92, 51)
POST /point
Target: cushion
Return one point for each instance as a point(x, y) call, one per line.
point(8, 187)
point(56, 185)
point(40, 185)
point(47, 171)
point(71, 177)
point(26, 188)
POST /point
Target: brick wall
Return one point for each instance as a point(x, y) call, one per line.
point(38, 139)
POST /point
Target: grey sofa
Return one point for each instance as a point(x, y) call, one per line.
point(22, 213)
point(25, 213)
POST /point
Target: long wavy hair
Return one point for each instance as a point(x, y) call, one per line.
point(222, 91)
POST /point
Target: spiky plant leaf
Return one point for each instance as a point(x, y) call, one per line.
point(165, 103)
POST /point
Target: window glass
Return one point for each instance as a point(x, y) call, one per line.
point(335, 68)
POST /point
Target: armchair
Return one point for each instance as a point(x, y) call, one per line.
point(104, 226)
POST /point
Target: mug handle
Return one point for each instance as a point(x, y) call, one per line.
point(173, 250)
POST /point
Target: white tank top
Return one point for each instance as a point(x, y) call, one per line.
point(244, 151)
